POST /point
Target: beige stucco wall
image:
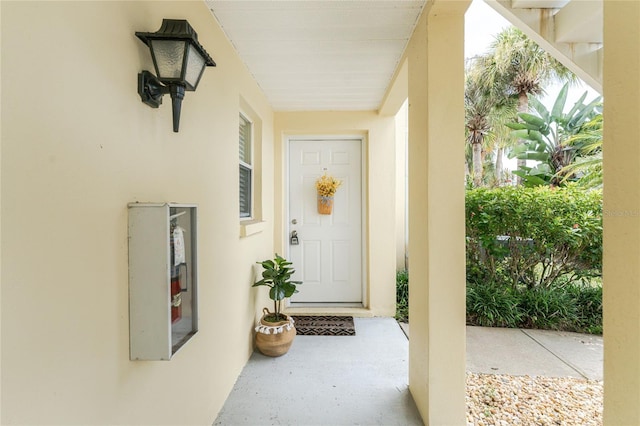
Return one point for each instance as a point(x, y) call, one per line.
point(621, 219)
point(436, 213)
point(77, 146)
point(401, 187)
point(379, 137)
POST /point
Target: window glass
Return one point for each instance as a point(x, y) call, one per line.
point(246, 167)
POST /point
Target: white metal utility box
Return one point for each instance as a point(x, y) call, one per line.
point(163, 279)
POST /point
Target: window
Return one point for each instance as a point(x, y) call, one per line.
point(250, 171)
point(246, 167)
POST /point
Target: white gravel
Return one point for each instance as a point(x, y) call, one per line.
point(523, 400)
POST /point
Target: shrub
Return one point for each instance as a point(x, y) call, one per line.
point(533, 236)
point(550, 308)
point(574, 307)
point(588, 300)
point(402, 295)
point(492, 305)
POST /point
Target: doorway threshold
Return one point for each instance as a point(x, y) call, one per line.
point(352, 309)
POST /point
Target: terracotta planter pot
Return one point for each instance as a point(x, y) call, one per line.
point(325, 204)
point(274, 338)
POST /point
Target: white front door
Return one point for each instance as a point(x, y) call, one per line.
point(328, 256)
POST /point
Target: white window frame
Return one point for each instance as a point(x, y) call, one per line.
point(248, 166)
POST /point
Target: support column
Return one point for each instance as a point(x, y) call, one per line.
point(621, 279)
point(436, 213)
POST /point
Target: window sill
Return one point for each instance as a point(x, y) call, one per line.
point(251, 227)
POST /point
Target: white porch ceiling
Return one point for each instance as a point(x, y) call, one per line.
point(538, 4)
point(320, 55)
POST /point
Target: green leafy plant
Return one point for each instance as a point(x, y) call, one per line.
point(550, 308)
point(492, 305)
point(588, 302)
point(533, 236)
point(588, 165)
point(534, 258)
point(402, 295)
point(547, 136)
point(572, 307)
point(277, 276)
point(513, 69)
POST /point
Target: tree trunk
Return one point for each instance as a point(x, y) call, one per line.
point(523, 106)
point(499, 166)
point(477, 164)
point(467, 172)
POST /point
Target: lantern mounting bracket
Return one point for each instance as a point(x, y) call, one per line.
point(151, 89)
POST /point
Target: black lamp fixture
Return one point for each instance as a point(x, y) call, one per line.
point(179, 60)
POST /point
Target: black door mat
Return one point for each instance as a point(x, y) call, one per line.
point(324, 325)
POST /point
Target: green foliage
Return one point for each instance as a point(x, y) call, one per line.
point(515, 65)
point(574, 307)
point(277, 276)
point(588, 301)
point(550, 139)
point(497, 85)
point(533, 237)
point(588, 144)
point(550, 308)
point(402, 295)
point(534, 258)
point(492, 305)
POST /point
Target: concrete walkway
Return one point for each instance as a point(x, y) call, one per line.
point(362, 379)
point(534, 353)
point(520, 352)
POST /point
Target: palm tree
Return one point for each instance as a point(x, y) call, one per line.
point(485, 118)
point(477, 109)
point(515, 67)
point(501, 137)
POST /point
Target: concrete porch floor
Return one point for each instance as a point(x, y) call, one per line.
point(328, 380)
point(362, 379)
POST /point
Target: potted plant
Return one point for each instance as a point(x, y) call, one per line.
point(276, 330)
point(326, 186)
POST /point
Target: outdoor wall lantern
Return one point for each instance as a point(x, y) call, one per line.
point(179, 61)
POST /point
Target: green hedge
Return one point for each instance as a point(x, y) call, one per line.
point(533, 237)
point(570, 307)
point(574, 307)
point(534, 258)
